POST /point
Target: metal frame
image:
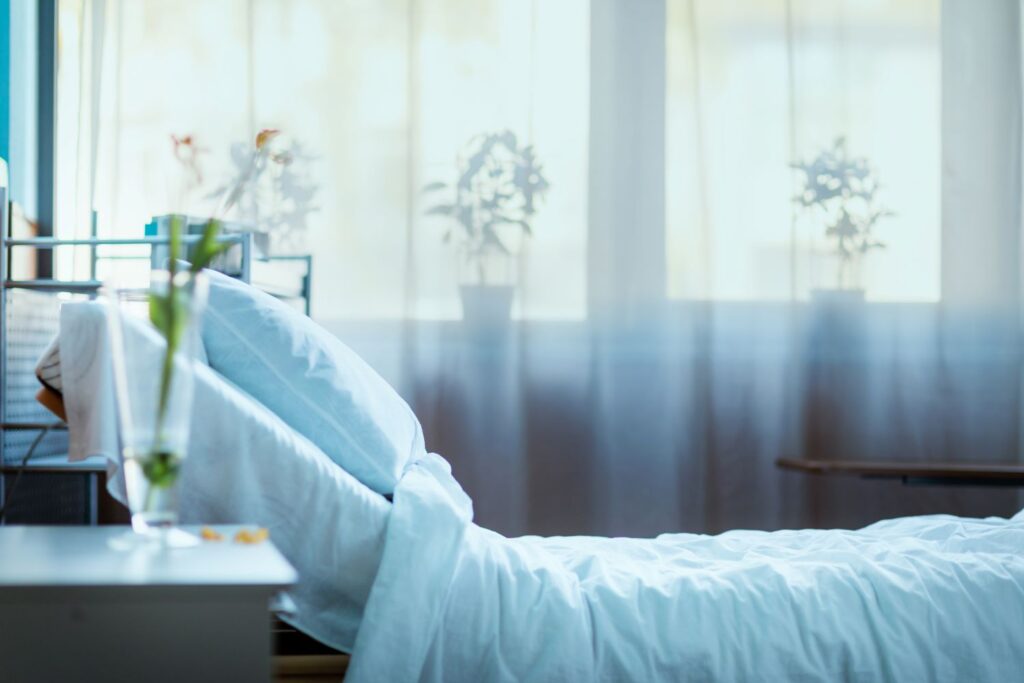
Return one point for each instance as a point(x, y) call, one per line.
point(90, 286)
point(307, 278)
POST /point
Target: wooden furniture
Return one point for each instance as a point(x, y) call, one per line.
point(78, 603)
point(297, 657)
point(38, 496)
point(914, 473)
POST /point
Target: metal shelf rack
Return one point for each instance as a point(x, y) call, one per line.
point(88, 287)
point(53, 461)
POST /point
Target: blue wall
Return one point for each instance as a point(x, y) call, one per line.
point(5, 77)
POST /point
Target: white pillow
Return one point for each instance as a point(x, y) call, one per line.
point(244, 465)
point(316, 384)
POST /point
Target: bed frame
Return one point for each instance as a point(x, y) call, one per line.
point(52, 490)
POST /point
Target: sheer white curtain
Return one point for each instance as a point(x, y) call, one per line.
point(756, 86)
point(666, 343)
point(928, 367)
point(383, 94)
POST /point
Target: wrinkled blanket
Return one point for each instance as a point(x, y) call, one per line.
point(935, 598)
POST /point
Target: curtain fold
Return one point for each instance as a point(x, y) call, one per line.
point(677, 325)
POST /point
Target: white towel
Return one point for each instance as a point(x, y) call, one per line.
point(48, 367)
point(88, 388)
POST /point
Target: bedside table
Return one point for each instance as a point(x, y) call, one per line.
point(72, 607)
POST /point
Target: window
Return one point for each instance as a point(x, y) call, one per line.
point(386, 94)
point(383, 94)
point(752, 88)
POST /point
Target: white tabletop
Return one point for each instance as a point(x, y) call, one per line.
point(48, 556)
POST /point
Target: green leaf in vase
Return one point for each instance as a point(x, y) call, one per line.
point(161, 469)
point(208, 248)
point(168, 311)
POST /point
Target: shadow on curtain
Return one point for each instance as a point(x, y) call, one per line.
point(673, 331)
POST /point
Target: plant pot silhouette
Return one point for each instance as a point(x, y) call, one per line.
point(837, 298)
point(487, 305)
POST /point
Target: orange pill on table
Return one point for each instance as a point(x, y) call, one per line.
point(251, 537)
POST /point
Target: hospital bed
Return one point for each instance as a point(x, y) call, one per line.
point(293, 431)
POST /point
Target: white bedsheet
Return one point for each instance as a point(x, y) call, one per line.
point(933, 598)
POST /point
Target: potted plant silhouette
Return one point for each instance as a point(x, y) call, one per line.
point(842, 191)
point(280, 192)
point(493, 200)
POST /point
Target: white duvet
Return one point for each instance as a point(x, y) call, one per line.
point(918, 599)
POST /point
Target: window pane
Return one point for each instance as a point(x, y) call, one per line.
point(384, 95)
point(748, 95)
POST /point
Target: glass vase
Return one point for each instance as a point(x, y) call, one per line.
point(154, 392)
